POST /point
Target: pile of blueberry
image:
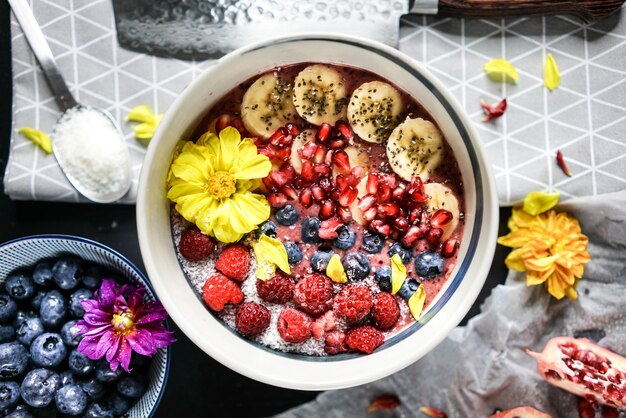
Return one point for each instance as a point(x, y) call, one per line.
point(41, 372)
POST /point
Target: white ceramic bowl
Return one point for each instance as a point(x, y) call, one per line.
point(297, 371)
point(27, 251)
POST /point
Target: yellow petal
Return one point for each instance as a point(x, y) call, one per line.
point(551, 74)
point(514, 260)
point(141, 113)
point(252, 206)
point(38, 138)
point(500, 69)
point(335, 270)
point(270, 253)
point(540, 202)
point(229, 141)
point(144, 130)
point(533, 280)
point(571, 293)
point(398, 273)
point(257, 167)
point(514, 239)
point(416, 302)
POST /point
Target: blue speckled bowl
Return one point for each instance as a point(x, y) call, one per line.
point(27, 251)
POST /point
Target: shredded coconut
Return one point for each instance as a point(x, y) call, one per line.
point(93, 153)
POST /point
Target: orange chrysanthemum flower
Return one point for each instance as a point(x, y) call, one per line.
point(550, 247)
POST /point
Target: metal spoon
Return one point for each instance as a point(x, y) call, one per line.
point(64, 98)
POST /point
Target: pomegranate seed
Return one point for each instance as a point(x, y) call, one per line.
point(345, 214)
point(238, 124)
point(293, 129)
point(222, 122)
point(327, 210)
point(322, 170)
point(344, 128)
point(318, 193)
point(357, 173)
point(334, 195)
point(308, 150)
point(323, 132)
point(278, 136)
point(283, 153)
point(320, 155)
point(370, 214)
point(384, 193)
point(257, 142)
point(290, 192)
point(267, 183)
point(372, 183)
point(414, 215)
point(267, 151)
point(388, 209)
point(411, 236)
point(449, 248)
point(347, 196)
point(341, 162)
point(367, 202)
point(326, 184)
point(381, 227)
point(341, 182)
point(416, 190)
point(586, 409)
point(434, 235)
point(328, 228)
point(306, 198)
point(277, 200)
point(337, 143)
point(289, 171)
point(440, 218)
point(400, 223)
point(301, 183)
point(389, 180)
point(399, 192)
point(307, 171)
point(278, 178)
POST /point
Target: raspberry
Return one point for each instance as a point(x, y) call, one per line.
point(335, 342)
point(385, 312)
point(252, 319)
point(218, 290)
point(194, 245)
point(353, 302)
point(324, 323)
point(365, 338)
point(234, 261)
point(278, 289)
point(294, 326)
point(314, 294)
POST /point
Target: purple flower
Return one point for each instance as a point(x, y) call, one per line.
point(118, 322)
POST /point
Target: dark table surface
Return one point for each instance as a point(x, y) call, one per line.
point(197, 385)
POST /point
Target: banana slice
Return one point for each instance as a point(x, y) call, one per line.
point(373, 110)
point(319, 95)
point(357, 214)
point(441, 197)
point(302, 138)
point(267, 105)
point(414, 148)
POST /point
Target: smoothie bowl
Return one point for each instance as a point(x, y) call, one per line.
point(316, 212)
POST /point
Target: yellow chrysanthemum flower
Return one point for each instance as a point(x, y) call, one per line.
point(550, 247)
point(212, 183)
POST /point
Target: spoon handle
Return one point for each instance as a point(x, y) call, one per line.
point(42, 52)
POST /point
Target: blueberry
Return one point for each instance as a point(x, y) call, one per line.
point(7, 333)
point(320, 259)
point(93, 388)
point(9, 394)
point(268, 228)
point(345, 238)
point(310, 230)
point(66, 272)
point(119, 404)
point(92, 277)
point(42, 275)
point(67, 378)
point(35, 302)
point(39, 387)
point(133, 386)
point(8, 308)
point(28, 330)
point(20, 287)
point(22, 316)
point(429, 264)
point(372, 243)
point(356, 265)
point(53, 309)
point(80, 364)
point(383, 278)
point(48, 350)
point(97, 410)
point(13, 360)
point(408, 288)
point(405, 253)
point(71, 400)
point(76, 309)
point(294, 253)
point(70, 335)
point(20, 412)
point(287, 216)
point(104, 373)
